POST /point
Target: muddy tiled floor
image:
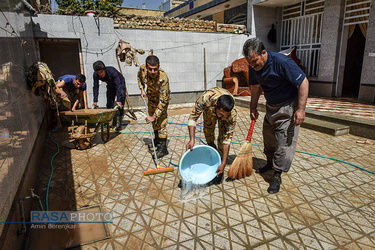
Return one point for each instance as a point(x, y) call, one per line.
point(323, 203)
point(342, 106)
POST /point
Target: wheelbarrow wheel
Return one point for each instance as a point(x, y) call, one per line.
point(105, 136)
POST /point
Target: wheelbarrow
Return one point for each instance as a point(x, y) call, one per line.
point(84, 118)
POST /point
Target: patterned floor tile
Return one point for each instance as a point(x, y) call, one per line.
point(324, 202)
point(342, 106)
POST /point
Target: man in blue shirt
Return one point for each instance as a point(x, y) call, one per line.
point(115, 89)
point(74, 87)
point(286, 89)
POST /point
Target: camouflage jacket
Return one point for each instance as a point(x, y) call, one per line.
point(157, 89)
point(206, 103)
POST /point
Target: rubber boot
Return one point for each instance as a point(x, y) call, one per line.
point(114, 121)
point(162, 149)
point(266, 168)
point(180, 184)
point(218, 179)
point(212, 144)
point(118, 123)
point(156, 140)
point(275, 183)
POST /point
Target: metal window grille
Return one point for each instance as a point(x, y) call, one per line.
point(357, 11)
point(302, 28)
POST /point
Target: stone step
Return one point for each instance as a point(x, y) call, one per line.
point(357, 126)
point(326, 127)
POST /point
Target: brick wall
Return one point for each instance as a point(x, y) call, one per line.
point(134, 21)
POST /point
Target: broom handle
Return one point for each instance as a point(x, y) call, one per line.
point(152, 137)
point(126, 89)
point(250, 131)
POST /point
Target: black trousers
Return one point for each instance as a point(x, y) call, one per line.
point(111, 96)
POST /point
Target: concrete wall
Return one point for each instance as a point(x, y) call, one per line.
point(264, 17)
point(259, 23)
point(333, 53)
point(21, 116)
point(181, 53)
point(367, 88)
point(330, 48)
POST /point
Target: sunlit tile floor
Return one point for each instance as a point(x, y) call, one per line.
point(323, 203)
point(341, 106)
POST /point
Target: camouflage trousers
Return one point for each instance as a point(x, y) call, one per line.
point(160, 124)
point(209, 122)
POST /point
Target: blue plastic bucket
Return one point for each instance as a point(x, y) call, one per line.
point(199, 166)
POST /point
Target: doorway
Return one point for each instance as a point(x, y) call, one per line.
point(61, 56)
point(353, 64)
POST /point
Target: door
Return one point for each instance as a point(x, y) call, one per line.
point(61, 56)
point(353, 64)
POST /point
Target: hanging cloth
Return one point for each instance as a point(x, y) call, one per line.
point(128, 54)
point(272, 35)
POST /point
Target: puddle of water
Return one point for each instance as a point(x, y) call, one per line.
point(191, 191)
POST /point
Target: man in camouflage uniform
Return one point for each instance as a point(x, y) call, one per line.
point(158, 95)
point(216, 104)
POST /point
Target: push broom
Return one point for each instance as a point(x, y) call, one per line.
point(158, 169)
point(242, 166)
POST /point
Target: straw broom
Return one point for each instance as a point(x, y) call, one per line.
point(242, 166)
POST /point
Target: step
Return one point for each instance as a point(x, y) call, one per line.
point(358, 126)
point(326, 127)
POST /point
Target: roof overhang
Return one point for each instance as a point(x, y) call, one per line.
point(275, 3)
point(234, 3)
point(217, 8)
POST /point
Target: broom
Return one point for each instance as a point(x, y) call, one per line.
point(127, 99)
point(242, 166)
point(158, 169)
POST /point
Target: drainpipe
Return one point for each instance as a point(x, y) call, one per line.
point(205, 72)
point(250, 18)
point(20, 203)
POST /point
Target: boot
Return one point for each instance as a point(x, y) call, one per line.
point(218, 179)
point(118, 123)
point(266, 168)
point(275, 183)
point(162, 149)
point(212, 144)
point(114, 121)
point(156, 140)
point(180, 184)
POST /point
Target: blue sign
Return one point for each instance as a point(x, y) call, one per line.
point(191, 5)
point(71, 217)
